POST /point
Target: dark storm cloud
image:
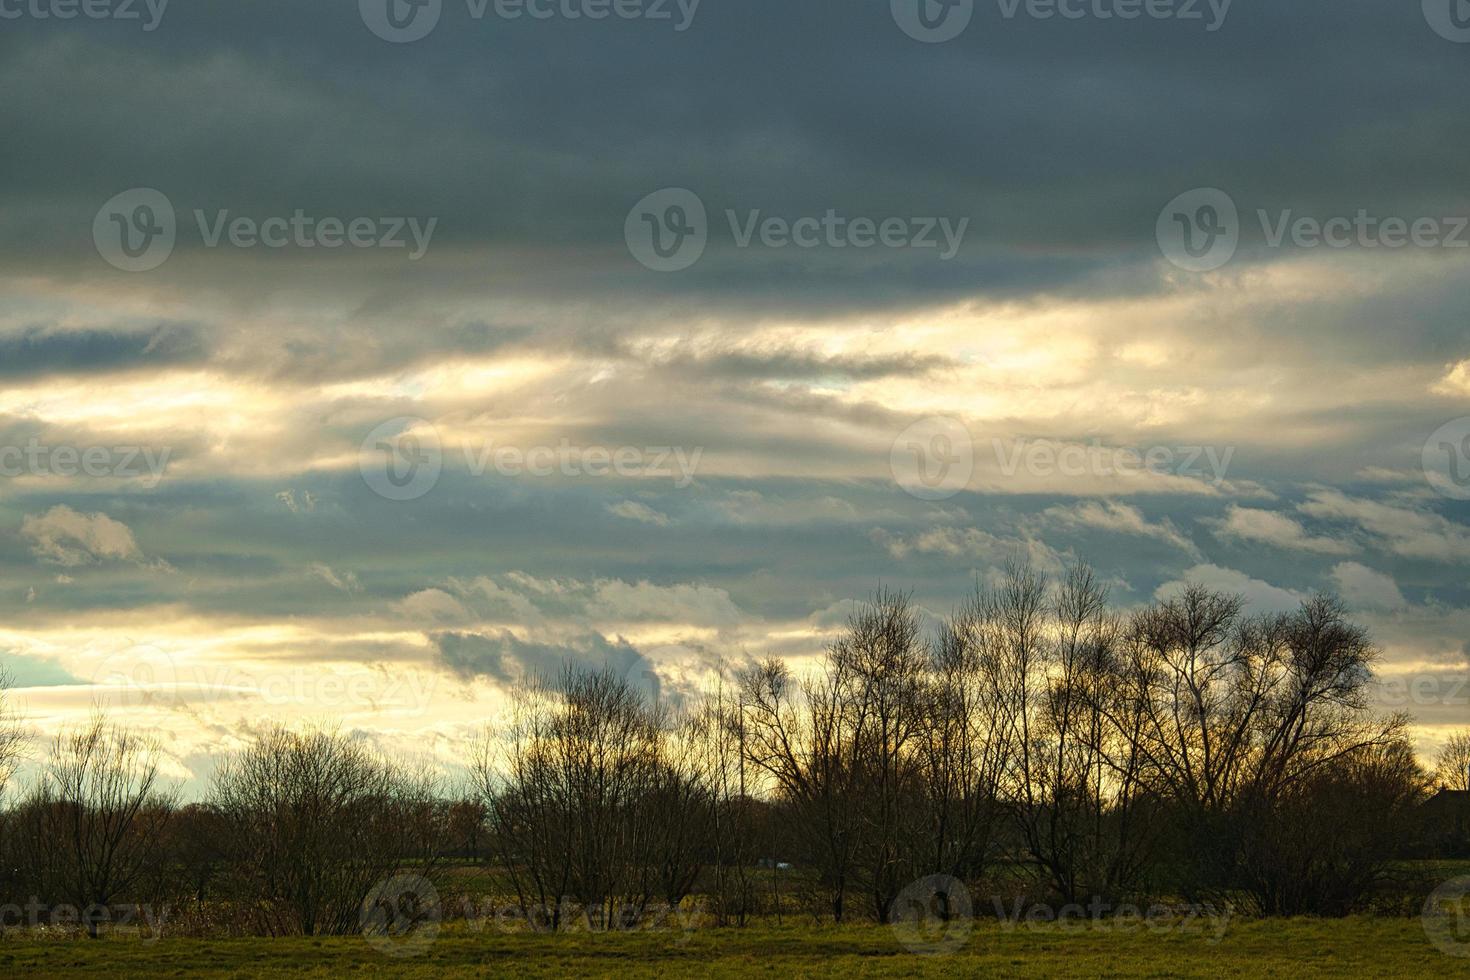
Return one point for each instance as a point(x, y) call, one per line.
point(38, 351)
point(1060, 141)
point(503, 657)
point(1057, 136)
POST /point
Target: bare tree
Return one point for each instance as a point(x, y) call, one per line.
point(801, 740)
point(964, 751)
point(1075, 774)
point(1452, 764)
point(1089, 828)
point(718, 728)
point(850, 756)
point(314, 822)
point(198, 847)
point(12, 735)
point(102, 798)
point(592, 797)
point(1290, 866)
point(1184, 749)
point(887, 694)
point(466, 827)
point(680, 809)
point(523, 810)
point(1240, 716)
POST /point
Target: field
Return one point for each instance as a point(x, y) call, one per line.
point(1300, 948)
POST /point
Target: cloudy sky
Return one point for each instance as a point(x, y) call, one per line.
point(357, 362)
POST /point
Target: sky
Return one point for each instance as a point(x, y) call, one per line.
point(358, 363)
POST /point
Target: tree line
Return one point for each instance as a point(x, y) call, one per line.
point(1037, 743)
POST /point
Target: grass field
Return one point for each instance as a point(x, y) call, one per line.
point(1363, 947)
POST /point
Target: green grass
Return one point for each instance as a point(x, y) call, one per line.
point(1299, 948)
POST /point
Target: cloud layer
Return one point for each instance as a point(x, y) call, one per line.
point(589, 461)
